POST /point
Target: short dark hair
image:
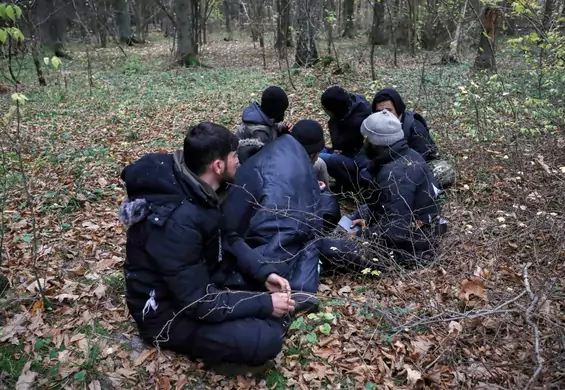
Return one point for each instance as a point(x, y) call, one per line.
point(205, 143)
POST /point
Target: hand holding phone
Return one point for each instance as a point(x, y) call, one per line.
point(349, 226)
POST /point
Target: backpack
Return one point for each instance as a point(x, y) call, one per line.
point(409, 118)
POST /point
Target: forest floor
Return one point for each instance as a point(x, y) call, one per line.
point(487, 314)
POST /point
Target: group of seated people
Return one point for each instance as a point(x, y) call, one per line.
point(227, 237)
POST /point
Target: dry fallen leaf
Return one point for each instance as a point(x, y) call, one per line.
point(94, 385)
point(472, 286)
point(344, 290)
point(26, 379)
point(100, 290)
point(412, 375)
point(143, 356)
point(324, 352)
point(14, 327)
point(421, 345)
point(455, 326)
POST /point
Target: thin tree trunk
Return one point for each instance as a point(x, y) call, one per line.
point(186, 54)
point(306, 51)
point(453, 55)
point(349, 16)
point(329, 20)
point(485, 58)
point(227, 15)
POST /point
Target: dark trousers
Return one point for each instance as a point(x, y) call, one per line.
point(344, 168)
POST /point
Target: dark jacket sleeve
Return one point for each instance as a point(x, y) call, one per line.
point(421, 141)
point(177, 248)
point(239, 206)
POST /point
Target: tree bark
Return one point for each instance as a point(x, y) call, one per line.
point(284, 37)
point(306, 51)
point(378, 36)
point(453, 55)
point(349, 16)
point(329, 20)
point(51, 23)
point(227, 15)
point(548, 15)
point(186, 47)
point(413, 30)
point(485, 58)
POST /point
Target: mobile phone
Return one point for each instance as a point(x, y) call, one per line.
point(345, 223)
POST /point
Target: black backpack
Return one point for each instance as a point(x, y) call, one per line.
point(409, 118)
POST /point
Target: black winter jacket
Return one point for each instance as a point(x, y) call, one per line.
point(272, 214)
point(345, 133)
point(415, 132)
point(402, 201)
point(173, 251)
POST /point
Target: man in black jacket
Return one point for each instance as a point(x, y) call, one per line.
point(346, 111)
point(175, 270)
point(402, 208)
point(416, 134)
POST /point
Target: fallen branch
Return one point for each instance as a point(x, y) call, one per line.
point(531, 309)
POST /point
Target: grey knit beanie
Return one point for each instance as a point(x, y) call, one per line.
point(382, 128)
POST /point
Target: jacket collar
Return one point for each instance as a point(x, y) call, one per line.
point(395, 150)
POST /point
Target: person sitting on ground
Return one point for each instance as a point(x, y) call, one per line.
point(403, 212)
point(175, 269)
point(416, 133)
point(310, 135)
point(262, 123)
point(273, 216)
point(344, 160)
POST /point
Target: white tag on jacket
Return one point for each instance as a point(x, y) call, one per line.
point(150, 304)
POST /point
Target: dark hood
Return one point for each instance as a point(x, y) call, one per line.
point(395, 97)
point(357, 105)
point(392, 152)
point(159, 179)
point(254, 114)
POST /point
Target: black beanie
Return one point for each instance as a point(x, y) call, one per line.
point(309, 134)
point(274, 103)
point(336, 100)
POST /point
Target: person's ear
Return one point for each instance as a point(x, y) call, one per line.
point(218, 167)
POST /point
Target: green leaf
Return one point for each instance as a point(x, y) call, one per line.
point(312, 338)
point(56, 62)
point(46, 60)
point(3, 35)
point(313, 316)
point(370, 386)
point(17, 34)
point(327, 316)
point(296, 324)
point(80, 376)
point(18, 11)
point(325, 329)
point(10, 12)
point(3, 11)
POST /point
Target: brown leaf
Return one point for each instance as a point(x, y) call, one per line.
point(26, 379)
point(100, 290)
point(324, 352)
point(412, 375)
point(472, 286)
point(421, 345)
point(143, 356)
point(94, 385)
point(14, 327)
point(455, 326)
point(344, 290)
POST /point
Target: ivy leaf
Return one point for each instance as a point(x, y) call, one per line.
point(3, 35)
point(17, 34)
point(10, 12)
point(297, 323)
point(56, 62)
point(325, 329)
point(313, 316)
point(3, 11)
point(80, 376)
point(312, 338)
point(327, 316)
point(19, 97)
point(46, 60)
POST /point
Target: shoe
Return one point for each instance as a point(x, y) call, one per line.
point(235, 369)
point(305, 303)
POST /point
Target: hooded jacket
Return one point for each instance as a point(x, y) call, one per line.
point(255, 130)
point(402, 199)
point(174, 261)
point(273, 213)
point(415, 132)
point(345, 132)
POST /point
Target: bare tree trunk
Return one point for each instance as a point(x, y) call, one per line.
point(227, 15)
point(306, 51)
point(139, 20)
point(186, 48)
point(51, 22)
point(547, 15)
point(284, 37)
point(485, 58)
point(349, 16)
point(329, 20)
point(453, 55)
point(123, 20)
point(413, 30)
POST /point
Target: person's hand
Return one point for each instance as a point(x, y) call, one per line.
point(337, 151)
point(288, 127)
point(282, 304)
point(358, 222)
point(322, 185)
point(276, 283)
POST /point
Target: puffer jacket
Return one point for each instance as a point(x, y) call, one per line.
point(345, 133)
point(273, 213)
point(402, 205)
point(174, 261)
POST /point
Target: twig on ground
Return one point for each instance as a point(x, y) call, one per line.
point(529, 312)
